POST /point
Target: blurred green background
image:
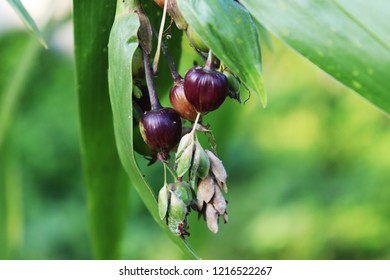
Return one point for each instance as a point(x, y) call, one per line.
point(308, 175)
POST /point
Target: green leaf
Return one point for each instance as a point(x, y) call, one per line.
point(107, 183)
point(348, 39)
point(28, 21)
point(122, 44)
point(228, 30)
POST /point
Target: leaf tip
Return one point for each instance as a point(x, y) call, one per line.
point(43, 43)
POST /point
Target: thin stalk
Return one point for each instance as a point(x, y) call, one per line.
point(157, 56)
point(195, 123)
point(154, 101)
point(165, 174)
point(171, 64)
point(210, 61)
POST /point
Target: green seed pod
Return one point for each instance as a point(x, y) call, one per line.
point(183, 163)
point(185, 141)
point(195, 40)
point(174, 226)
point(163, 199)
point(177, 208)
point(182, 190)
point(203, 160)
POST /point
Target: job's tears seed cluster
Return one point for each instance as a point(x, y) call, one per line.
point(199, 175)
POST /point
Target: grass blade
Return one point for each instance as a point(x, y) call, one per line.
point(107, 183)
point(27, 20)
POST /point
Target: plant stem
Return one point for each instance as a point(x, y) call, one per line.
point(210, 61)
point(165, 174)
point(157, 56)
point(154, 101)
point(171, 64)
point(195, 123)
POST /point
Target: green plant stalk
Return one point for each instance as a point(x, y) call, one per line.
point(106, 181)
point(10, 97)
point(10, 192)
point(122, 45)
point(13, 204)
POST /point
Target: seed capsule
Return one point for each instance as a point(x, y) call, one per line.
point(205, 89)
point(161, 129)
point(180, 103)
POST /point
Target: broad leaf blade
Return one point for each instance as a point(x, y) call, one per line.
point(28, 20)
point(107, 183)
point(374, 18)
point(228, 30)
point(337, 38)
point(122, 45)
